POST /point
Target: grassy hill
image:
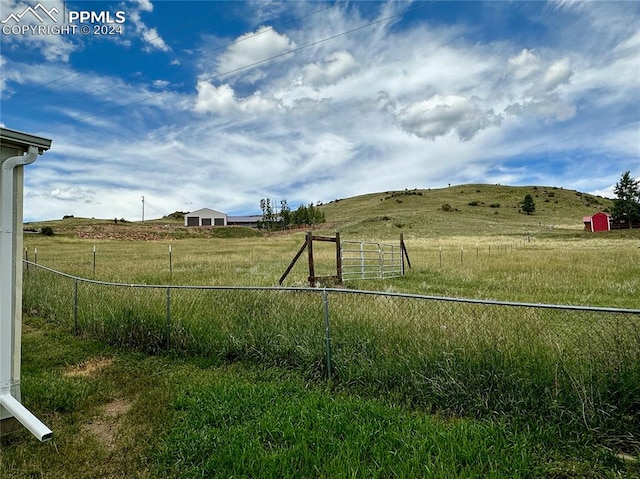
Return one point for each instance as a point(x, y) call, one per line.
point(463, 210)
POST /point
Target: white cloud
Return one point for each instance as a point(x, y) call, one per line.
point(144, 5)
point(534, 90)
point(253, 47)
point(525, 64)
point(215, 99)
point(439, 115)
point(335, 67)
point(74, 194)
point(149, 36)
point(546, 108)
point(222, 100)
point(629, 45)
point(558, 73)
point(152, 37)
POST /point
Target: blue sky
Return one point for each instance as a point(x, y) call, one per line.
point(218, 104)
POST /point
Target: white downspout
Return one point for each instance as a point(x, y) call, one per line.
point(7, 255)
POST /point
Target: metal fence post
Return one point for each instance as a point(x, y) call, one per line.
point(327, 331)
point(75, 306)
point(168, 320)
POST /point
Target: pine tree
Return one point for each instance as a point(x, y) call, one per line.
point(528, 205)
point(285, 214)
point(626, 206)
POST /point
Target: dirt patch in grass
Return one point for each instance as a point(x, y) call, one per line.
point(88, 368)
point(106, 425)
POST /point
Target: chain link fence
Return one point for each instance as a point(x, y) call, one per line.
point(579, 366)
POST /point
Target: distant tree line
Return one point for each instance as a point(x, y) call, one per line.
point(304, 215)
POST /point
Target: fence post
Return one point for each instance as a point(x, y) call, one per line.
point(75, 306)
point(327, 331)
point(312, 272)
point(168, 320)
point(338, 258)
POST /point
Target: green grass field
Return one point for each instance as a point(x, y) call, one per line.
point(429, 389)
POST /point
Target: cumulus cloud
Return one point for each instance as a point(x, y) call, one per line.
point(222, 100)
point(529, 69)
point(335, 67)
point(253, 47)
point(440, 115)
point(535, 87)
point(558, 73)
point(524, 65)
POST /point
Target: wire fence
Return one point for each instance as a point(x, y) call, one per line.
point(480, 358)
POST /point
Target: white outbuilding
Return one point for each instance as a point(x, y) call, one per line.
point(205, 217)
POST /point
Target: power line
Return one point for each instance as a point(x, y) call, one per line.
point(191, 22)
point(122, 83)
point(37, 87)
point(236, 70)
point(267, 30)
point(248, 37)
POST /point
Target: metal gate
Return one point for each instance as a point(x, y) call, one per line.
point(362, 260)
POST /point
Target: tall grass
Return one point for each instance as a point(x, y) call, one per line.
point(595, 271)
point(579, 370)
point(576, 369)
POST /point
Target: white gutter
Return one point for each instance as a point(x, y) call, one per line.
point(7, 255)
point(26, 417)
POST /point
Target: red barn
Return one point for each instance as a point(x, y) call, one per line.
point(597, 222)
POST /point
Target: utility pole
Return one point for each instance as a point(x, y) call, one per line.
point(143, 209)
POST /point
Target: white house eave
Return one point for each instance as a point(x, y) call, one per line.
point(22, 140)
